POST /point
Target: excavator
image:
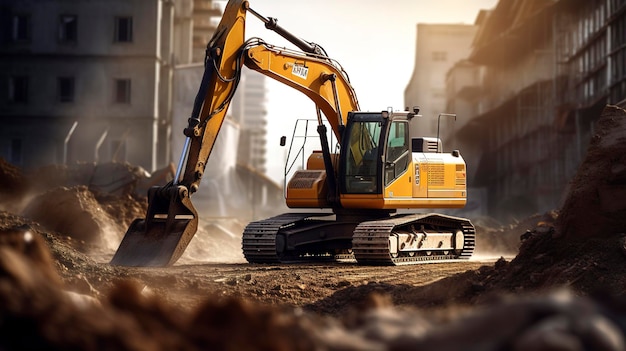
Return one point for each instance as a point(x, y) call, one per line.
point(352, 196)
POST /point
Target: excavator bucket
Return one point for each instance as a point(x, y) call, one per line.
point(161, 238)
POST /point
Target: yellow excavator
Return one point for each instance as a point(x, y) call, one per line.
point(382, 166)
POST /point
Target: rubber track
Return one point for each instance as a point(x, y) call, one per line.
point(370, 242)
point(259, 238)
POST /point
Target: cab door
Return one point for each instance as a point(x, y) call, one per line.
point(362, 156)
point(397, 177)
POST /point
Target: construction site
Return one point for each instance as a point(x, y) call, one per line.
point(528, 242)
point(558, 281)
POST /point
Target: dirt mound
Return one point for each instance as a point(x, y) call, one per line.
point(596, 203)
point(13, 186)
point(504, 240)
point(12, 179)
point(582, 246)
point(33, 299)
point(73, 212)
point(91, 204)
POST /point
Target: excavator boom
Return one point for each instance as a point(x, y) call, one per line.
point(171, 220)
point(319, 78)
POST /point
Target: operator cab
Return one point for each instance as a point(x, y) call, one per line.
point(366, 165)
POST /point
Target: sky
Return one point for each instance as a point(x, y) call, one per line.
point(373, 40)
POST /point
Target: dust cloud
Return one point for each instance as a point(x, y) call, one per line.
point(217, 240)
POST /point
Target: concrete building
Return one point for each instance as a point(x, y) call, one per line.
point(106, 67)
point(549, 67)
point(205, 15)
point(591, 56)
point(438, 48)
point(102, 65)
point(462, 85)
point(440, 71)
point(93, 81)
point(463, 100)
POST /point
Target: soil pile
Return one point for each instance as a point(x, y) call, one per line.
point(504, 240)
point(596, 204)
point(73, 212)
point(581, 246)
point(584, 248)
point(13, 187)
point(94, 205)
point(91, 204)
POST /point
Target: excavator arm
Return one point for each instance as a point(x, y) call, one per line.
point(319, 78)
point(310, 72)
point(219, 82)
point(171, 220)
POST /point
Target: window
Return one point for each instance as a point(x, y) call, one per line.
point(123, 29)
point(65, 87)
point(20, 29)
point(397, 151)
point(18, 89)
point(122, 91)
point(68, 28)
point(362, 159)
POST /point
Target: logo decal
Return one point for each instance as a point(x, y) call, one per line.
point(301, 71)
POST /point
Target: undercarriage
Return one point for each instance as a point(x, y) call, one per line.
point(394, 240)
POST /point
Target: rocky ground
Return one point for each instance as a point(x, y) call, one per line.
point(559, 284)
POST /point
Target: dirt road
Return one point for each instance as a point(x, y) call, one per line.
point(311, 286)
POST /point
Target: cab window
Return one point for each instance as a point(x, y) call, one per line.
point(397, 156)
point(362, 161)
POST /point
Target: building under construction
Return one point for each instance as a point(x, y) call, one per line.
point(547, 69)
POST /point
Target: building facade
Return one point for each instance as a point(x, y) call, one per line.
point(548, 69)
point(114, 80)
point(85, 81)
point(438, 48)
